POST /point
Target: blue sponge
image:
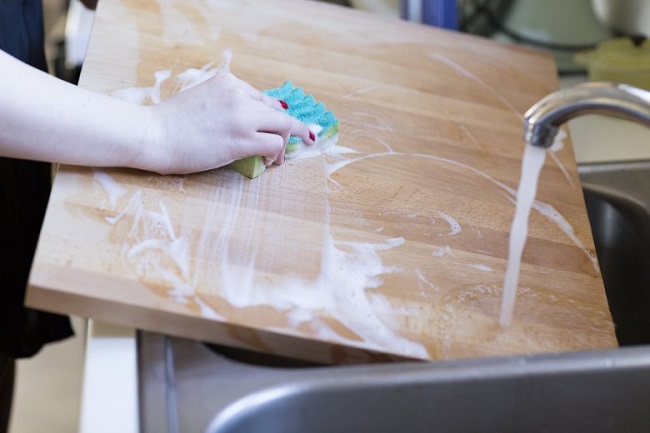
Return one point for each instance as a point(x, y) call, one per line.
point(303, 107)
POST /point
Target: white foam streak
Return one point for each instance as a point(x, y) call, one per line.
point(544, 209)
point(446, 60)
point(114, 190)
point(442, 251)
point(454, 227)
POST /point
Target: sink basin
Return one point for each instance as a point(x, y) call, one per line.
point(621, 229)
point(618, 204)
point(188, 386)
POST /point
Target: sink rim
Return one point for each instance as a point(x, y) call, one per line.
point(245, 383)
point(617, 196)
point(186, 368)
point(364, 378)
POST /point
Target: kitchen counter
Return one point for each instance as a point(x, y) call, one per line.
point(109, 394)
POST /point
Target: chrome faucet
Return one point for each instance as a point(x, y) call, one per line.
point(543, 119)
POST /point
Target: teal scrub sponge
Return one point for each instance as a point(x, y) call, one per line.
point(303, 107)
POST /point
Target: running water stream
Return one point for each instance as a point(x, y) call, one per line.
point(533, 161)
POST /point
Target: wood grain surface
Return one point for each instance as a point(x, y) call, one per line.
point(391, 246)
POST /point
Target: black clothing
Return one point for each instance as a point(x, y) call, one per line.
point(24, 191)
point(7, 372)
point(21, 31)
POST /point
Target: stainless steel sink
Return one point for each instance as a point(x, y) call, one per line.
point(621, 228)
point(187, 386)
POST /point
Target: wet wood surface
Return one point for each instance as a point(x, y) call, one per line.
point(392, 245)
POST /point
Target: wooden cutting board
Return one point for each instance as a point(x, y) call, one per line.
point(391, 246)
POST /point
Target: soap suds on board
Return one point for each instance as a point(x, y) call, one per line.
point(480, 267)
point(144, 95)
point(424, 280)
point(454, 227)
point(456, 326)
point(347, 269)
point(557, 145)
point(181, 81)
point(441, 251)
point(463, 71)
point(112, 188)
point(245, 277)
point(156, 252)
point(544, 209)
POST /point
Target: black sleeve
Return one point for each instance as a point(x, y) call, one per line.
point(24, 192)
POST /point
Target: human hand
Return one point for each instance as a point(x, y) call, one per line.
point(215, 123)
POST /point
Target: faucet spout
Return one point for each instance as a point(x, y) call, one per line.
point(543, 119)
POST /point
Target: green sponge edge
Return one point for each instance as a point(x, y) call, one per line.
point(303, 107)
point(254, 166)
point(251, 167)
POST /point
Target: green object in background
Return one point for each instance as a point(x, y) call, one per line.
point(305, 108)
point(621, 60)
point(562, 27)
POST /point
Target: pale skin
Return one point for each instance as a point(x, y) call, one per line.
point(208, 126)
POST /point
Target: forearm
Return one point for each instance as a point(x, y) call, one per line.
point(213, 124)
point(43, 118)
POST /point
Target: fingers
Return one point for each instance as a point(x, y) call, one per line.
point(281, 125)
point(274, 103)
point(285, 125)
point(278, 159)
point(272, 138)
point(263, 97)
point(267, 117)
point(271, 148)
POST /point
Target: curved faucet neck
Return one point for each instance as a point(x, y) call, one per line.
point(543, 119)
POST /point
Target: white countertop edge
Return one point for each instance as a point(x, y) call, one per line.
point(598, 139)
point(110, 391)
